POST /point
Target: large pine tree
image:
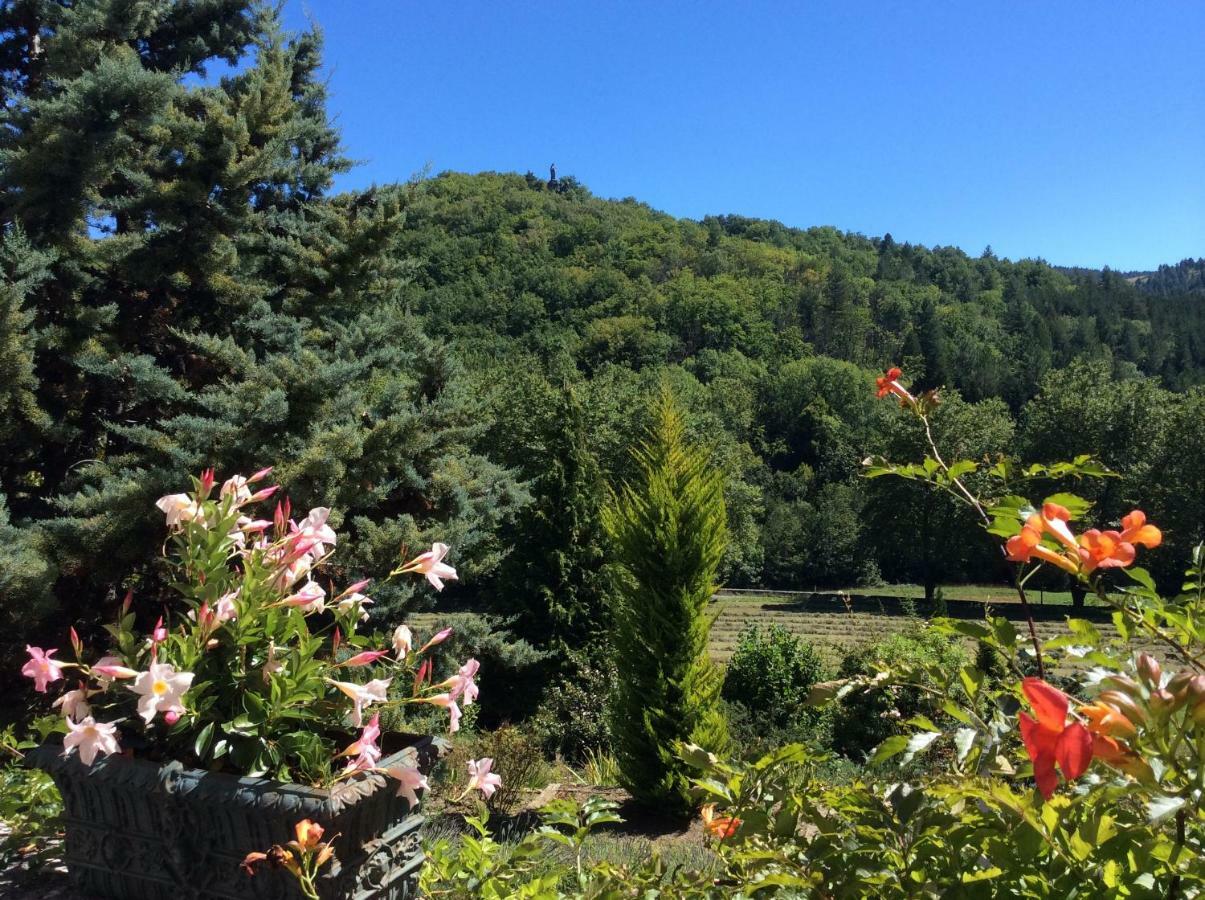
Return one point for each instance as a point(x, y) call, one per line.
point(179, 290)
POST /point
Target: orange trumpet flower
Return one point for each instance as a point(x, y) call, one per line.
point(1049, 739)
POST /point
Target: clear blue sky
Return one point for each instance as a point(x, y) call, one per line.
point(1073, 131)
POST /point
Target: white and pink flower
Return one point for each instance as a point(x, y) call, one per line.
point(365, 750)
point(481, 778)
point(403, 641)
point(162, 689)
point(180, 508)
point(409, 781)
point(362, 695)
point(431, 565)
point(448, 702)
point(74, 704)
point(310, 599)
point(89, 738)
point(462, 684)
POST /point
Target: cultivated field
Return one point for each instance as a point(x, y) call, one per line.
point(835, 623)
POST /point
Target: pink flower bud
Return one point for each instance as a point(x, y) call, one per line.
point(127, 602)
point(260, 475)
point(159, 635)
point(171, 717)
point(114, 672)
point(364, 658)
point(1149, 669)
point(76, 644)
point(264, 494)
point(438, 638)
point(207, 481)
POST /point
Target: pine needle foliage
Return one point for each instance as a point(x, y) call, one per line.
point(668, 527)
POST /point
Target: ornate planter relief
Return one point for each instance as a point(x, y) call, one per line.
point(141, 831)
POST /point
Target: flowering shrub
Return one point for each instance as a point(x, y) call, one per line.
point(261, 668)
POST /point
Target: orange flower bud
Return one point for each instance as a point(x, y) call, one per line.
point(1149, 669)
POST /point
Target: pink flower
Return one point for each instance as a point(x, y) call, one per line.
point(310, 599)
point(362, 695)
point(75, 704)
point(180, 508)
point(403, 641)
point(89, 738)
point(260, 475)
point(366, 752)
point(409, 782)
point(480, 777)
point(462, 683)
point(236, 487)
point(225, 609)
point(353, 604)
point(315, 528)
point(41, 668)
point(448, 702)
point(431, 565)
point(162, 689)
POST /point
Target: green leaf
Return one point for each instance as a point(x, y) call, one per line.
point(1160, 808)
point(892, 746)
point(1075, 504)
point(201, 745)
point(917, 744)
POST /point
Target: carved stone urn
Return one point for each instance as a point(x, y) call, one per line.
point(138, 830)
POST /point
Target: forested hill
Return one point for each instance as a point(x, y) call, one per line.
point(565, 311)
point(504, 260)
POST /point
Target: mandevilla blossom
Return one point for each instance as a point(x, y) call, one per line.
point(162, 688)
point(225, 609)
point(403, 641)
point(41, 668)
point(315, 528)
point(75, 704)
point(462, 683)
point(888, 383)
point(354, 603)
point(431, 565)
point(362, 695)
point(1049, 739)
point(447, 701)
point(481, 778)
point(236, 487)
point(365, 750)
point(310, 599)
point(90, 737)
point(108, 669)
point(719, 827)
point(409, 781)
point(180, 508)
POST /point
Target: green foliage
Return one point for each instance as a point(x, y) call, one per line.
point(771, 673)
point(572, 719)
point(30, 807)
point(668, 528)
point(866, 718)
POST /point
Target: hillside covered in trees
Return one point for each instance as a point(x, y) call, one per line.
point(467, 357)
point(774, 332)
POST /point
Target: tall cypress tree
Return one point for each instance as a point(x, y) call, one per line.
point(669, 530)
point(198, 299)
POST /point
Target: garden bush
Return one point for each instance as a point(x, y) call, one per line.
point(771, 673)
point(572, 719)
point(514, 751)
point(865, 718)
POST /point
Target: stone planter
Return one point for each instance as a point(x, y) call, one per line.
point(137, 830)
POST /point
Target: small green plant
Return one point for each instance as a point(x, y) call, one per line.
point(29, 806)
point(600, 768)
